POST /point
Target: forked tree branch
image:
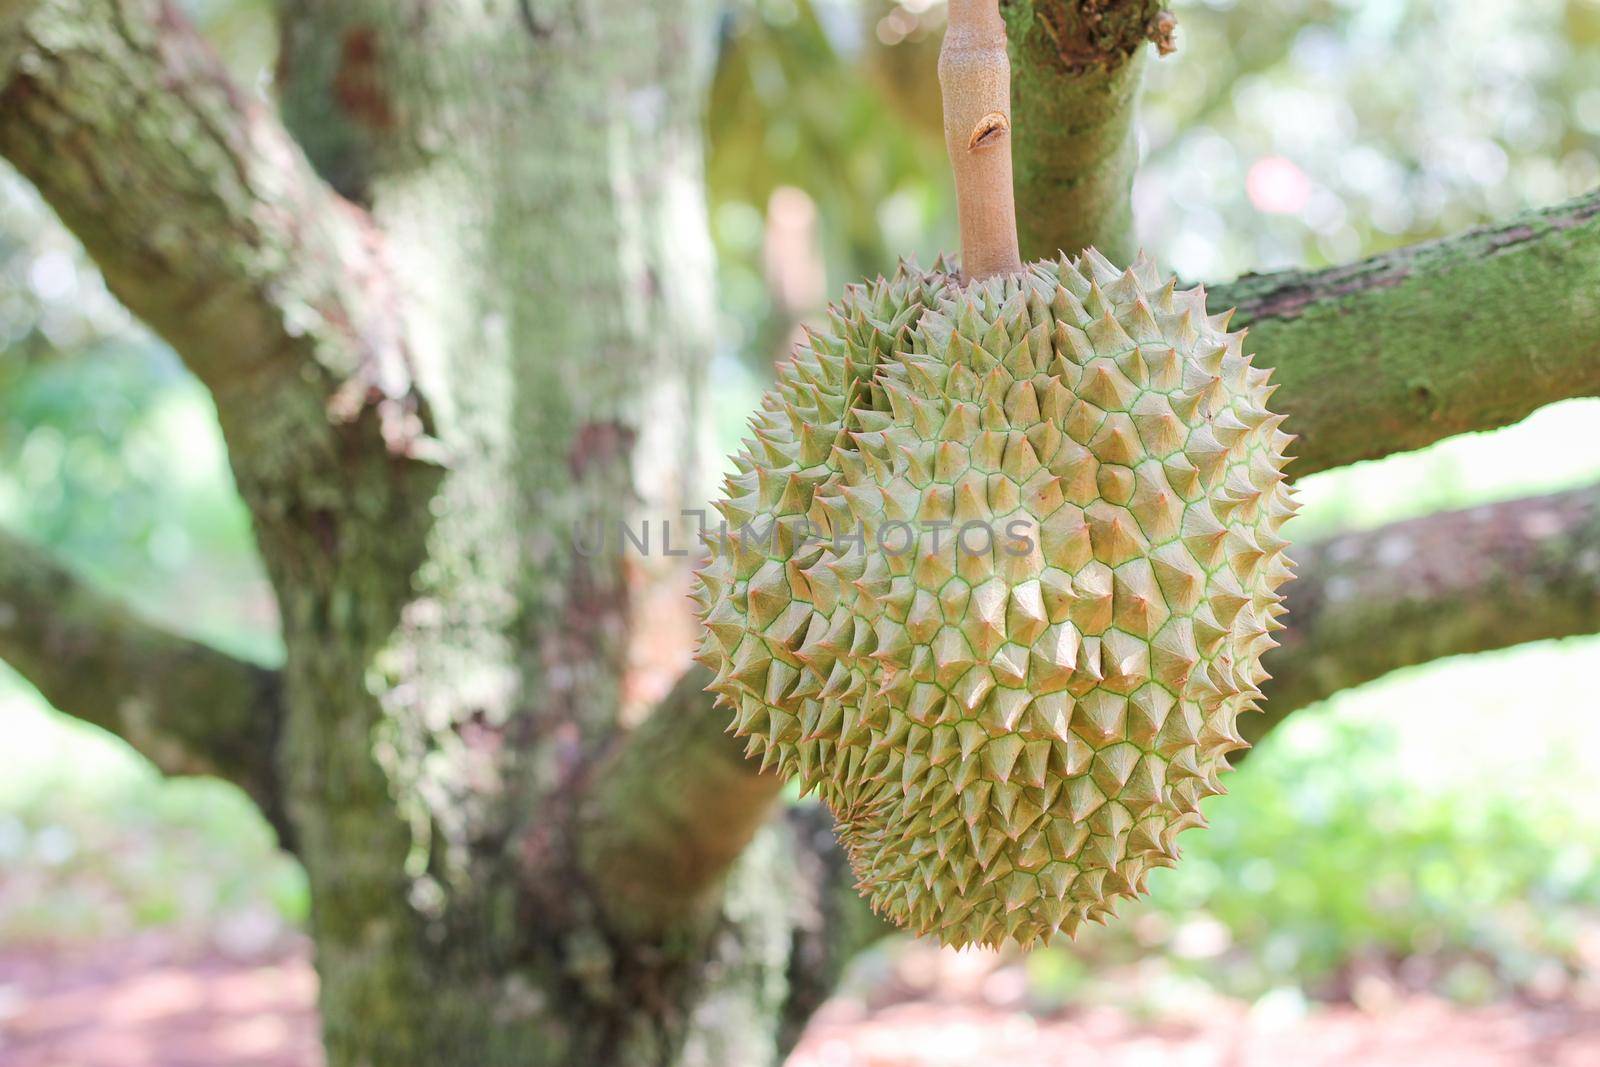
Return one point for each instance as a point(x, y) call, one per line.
point(209, 224)
point(185, 706)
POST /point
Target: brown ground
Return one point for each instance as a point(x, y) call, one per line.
point(142, 1003)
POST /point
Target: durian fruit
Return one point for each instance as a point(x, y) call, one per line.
point(1011, 724)
point(1000, 561)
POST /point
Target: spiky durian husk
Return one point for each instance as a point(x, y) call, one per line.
point(1010, 739)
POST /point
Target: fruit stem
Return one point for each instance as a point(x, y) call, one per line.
point(975, 80)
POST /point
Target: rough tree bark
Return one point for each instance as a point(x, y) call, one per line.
point(1077, 66)
point(536, 171)
point(1402, 349)
point(466, 306)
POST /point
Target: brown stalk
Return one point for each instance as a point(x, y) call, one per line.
point(975, 79)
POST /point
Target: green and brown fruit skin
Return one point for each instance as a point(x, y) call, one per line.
point(1011, 729)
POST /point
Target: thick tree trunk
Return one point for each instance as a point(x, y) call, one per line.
point(536, 169)
point(497, 332)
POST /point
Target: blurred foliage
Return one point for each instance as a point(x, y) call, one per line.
point(1289, 132)
point(807, 96)
point(1394, 829)
point(94, 843)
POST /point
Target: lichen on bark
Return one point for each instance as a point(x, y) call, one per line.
point(1077, 69)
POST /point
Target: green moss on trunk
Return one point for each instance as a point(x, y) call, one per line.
point(1076, 70)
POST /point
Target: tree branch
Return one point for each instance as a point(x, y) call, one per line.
point(669, 813)
point(1076, 69)
point(208, 223)
point(1412, 346)
point(190, 709)
point(1448, 584)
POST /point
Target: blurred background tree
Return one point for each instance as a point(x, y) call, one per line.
point(1385, 837)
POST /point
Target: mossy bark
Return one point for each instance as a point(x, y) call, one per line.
point(1408, 347)
point(536, 170)
point(1076, 71)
